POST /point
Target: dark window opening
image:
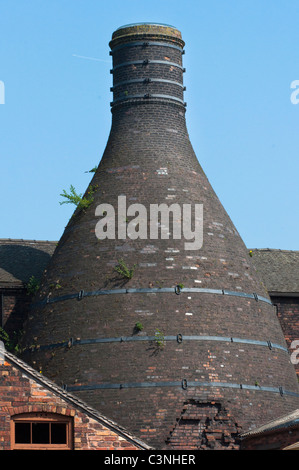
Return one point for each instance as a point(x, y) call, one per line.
point(58, 433)
point(22, 433)
point(41, 432)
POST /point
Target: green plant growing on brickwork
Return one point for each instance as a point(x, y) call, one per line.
point(32, 286)
point(159, 284)
point(80, 202)
point(90, 192)
point(10, 343)
point(55, 285)
point(72, 197)
point(139, 326)
point(159, 339)
point(178, 288)
point(93, 170)
point(4, 337)
point(122, 269)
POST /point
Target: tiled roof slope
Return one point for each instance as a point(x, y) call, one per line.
point(21, 259)
point(279, 269)
point(287, 421)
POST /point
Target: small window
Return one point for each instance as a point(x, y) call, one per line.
point(41, 431)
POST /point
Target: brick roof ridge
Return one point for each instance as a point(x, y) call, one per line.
point(274, 250)
point(23, 240)
point(19, 363)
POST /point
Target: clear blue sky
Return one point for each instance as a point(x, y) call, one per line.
point(241, 58)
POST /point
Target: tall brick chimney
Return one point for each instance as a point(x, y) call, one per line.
point(155, 336)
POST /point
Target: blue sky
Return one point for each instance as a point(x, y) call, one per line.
point(241, 58)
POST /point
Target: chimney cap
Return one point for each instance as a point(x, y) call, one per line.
point(145, 23)
point(132, 31)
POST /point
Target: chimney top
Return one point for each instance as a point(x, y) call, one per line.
point(145, 23)
point(135, 30)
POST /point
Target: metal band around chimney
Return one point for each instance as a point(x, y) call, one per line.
point(146, 44)
point(146, 81)
point(184, 384)
point(179, 338)
point(147, 96)
point(147, 62)
point(82, 294)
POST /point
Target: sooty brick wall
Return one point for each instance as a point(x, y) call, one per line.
point(14, 309)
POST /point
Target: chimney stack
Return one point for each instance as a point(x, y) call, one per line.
point(156, 331)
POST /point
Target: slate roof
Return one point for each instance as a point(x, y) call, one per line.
point(284, 422)
point(72, 399)
point(21, 259)
point(279, 269)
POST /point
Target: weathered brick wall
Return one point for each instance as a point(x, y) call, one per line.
point(288, 314)
point(21, 394)
point(204, 426)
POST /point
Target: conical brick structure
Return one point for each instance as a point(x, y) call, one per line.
point(178, 333)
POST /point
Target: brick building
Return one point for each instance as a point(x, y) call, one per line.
point(279, 270)
point(36, 414)
point(20, 261)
